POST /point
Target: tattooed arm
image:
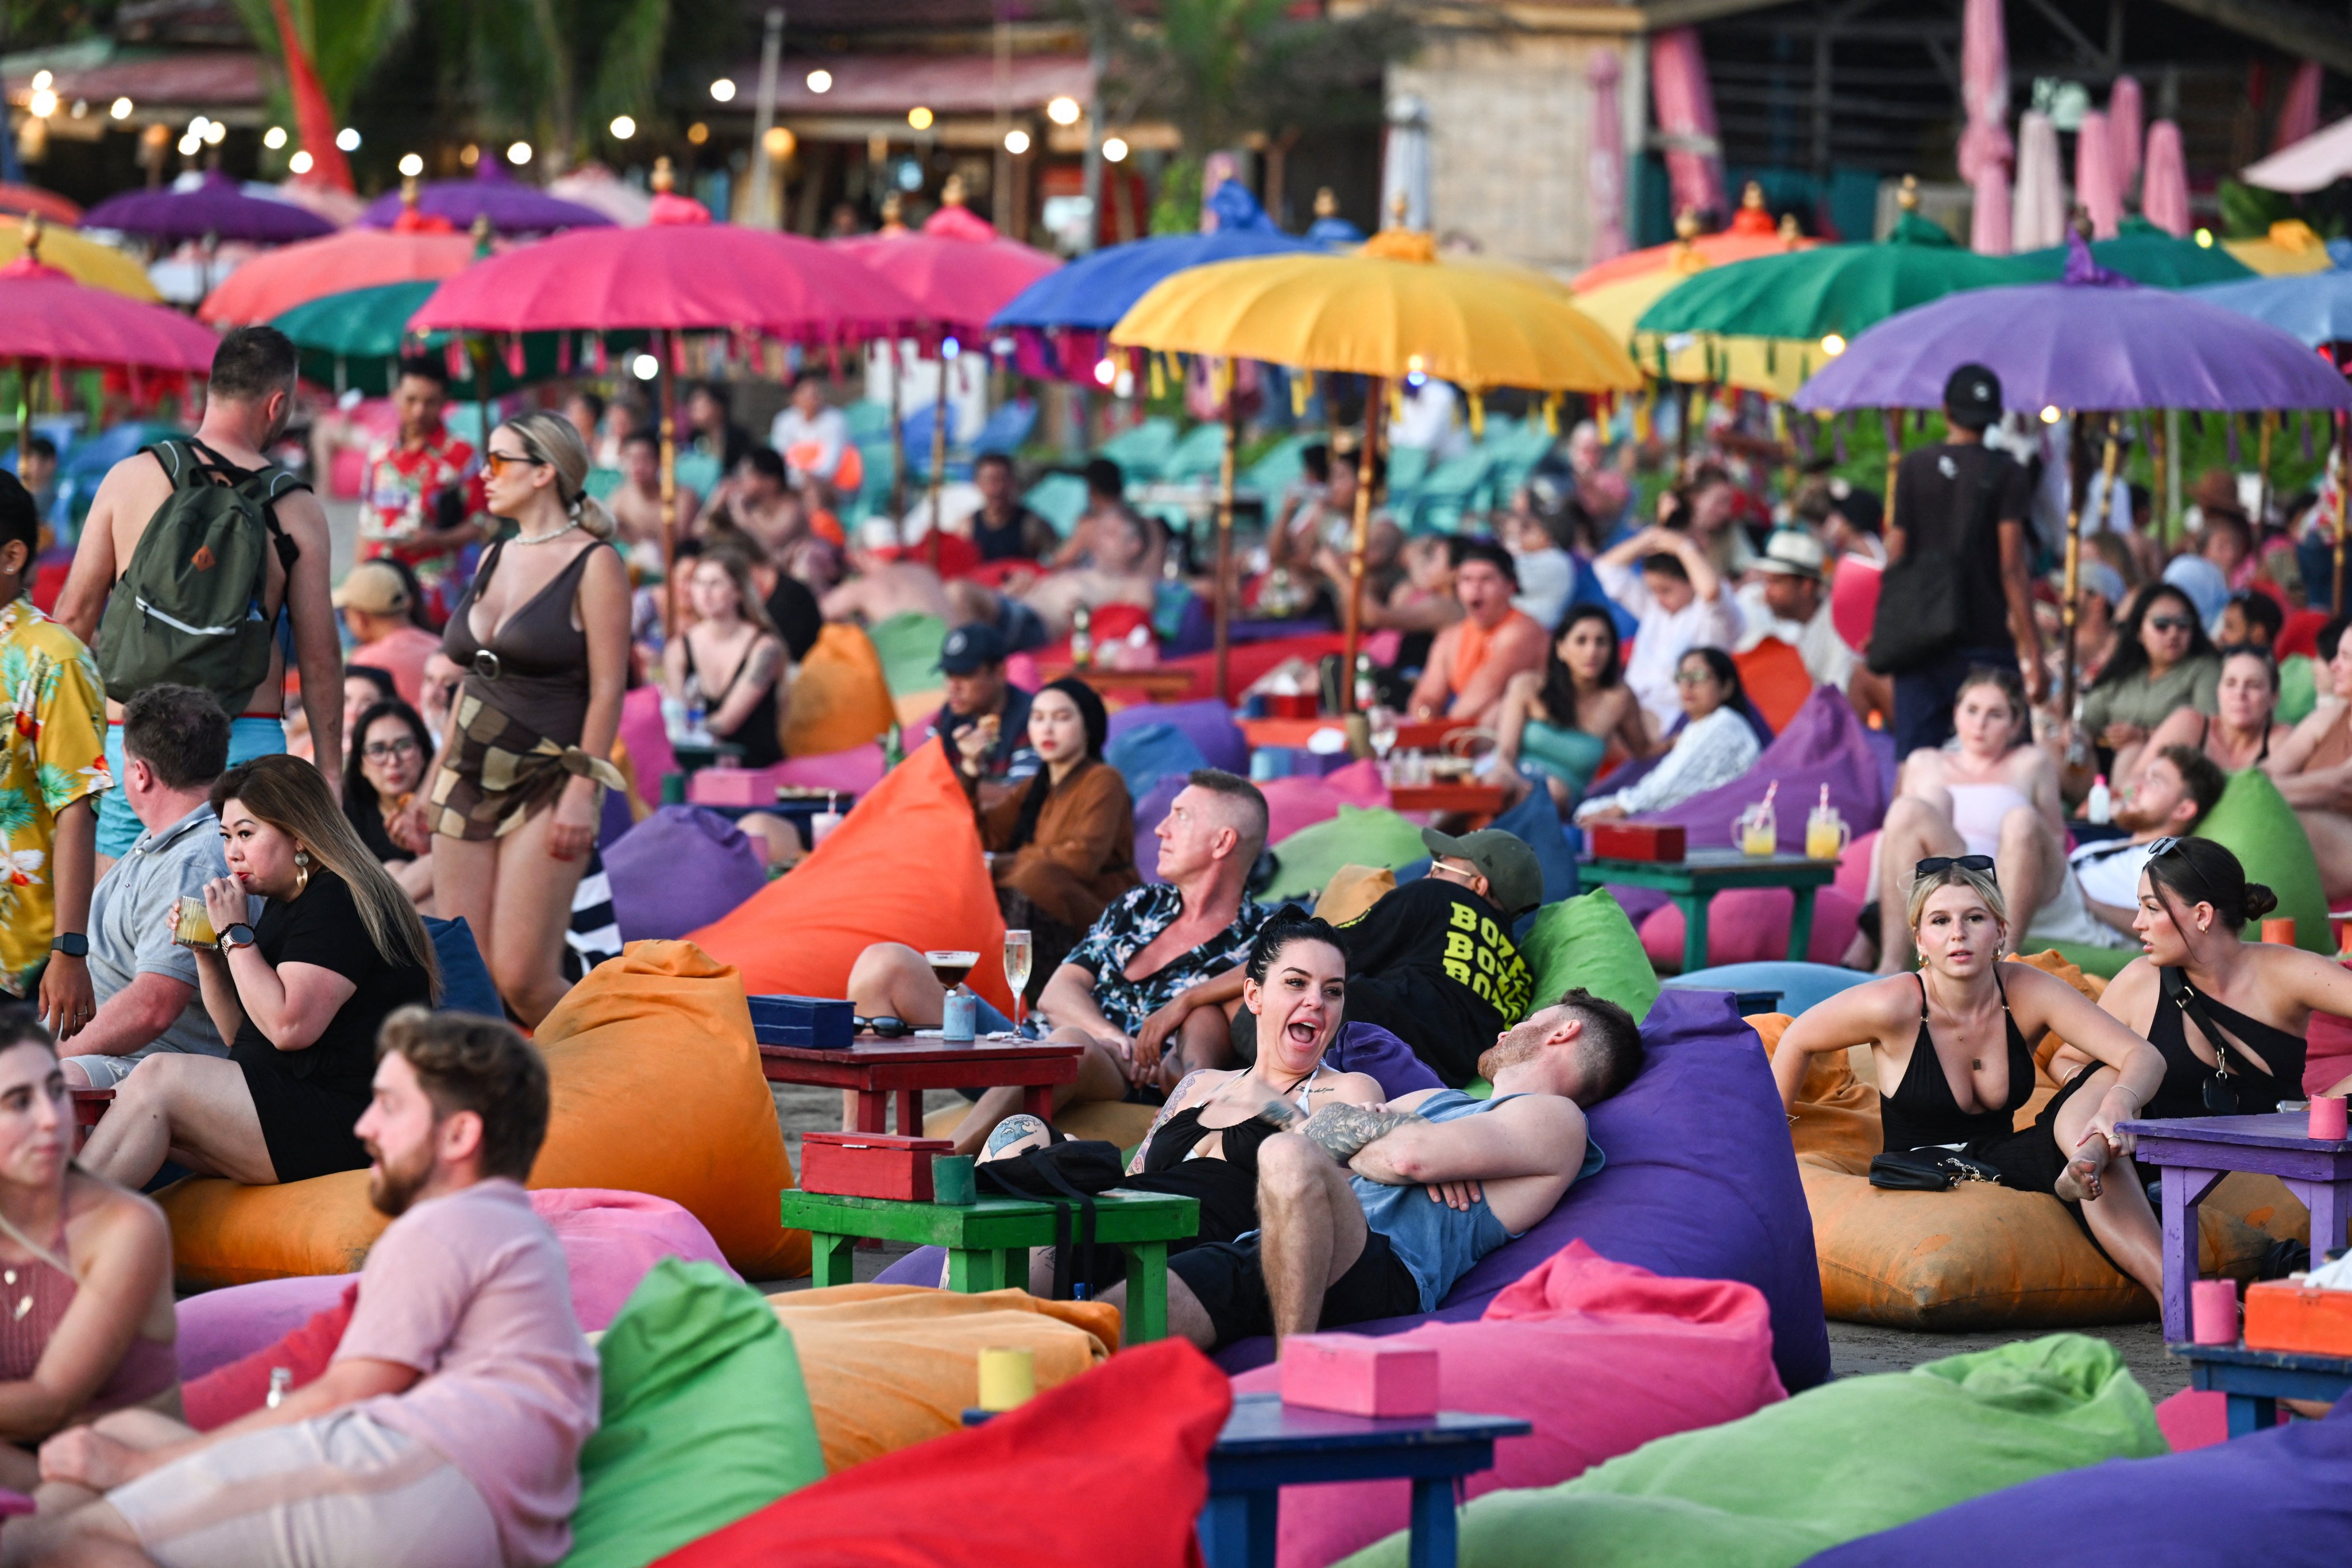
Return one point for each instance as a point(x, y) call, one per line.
point(1339, 1131)
point(1176, 1102)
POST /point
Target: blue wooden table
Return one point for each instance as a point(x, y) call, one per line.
point(1267, 1445)
point(2255, 1381)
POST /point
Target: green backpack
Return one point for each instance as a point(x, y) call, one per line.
point(189, 608)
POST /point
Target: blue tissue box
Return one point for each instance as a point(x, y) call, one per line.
point(811, 1022)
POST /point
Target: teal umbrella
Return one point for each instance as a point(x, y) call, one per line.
point(353, 342)
point(2146, 255)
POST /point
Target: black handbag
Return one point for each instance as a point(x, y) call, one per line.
point(1926, 1170)
point(1067, 1173)
point(1922, 614)
point(2235, 1089)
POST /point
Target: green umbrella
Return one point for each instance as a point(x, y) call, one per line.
point(354, 340)
point(2146, 255)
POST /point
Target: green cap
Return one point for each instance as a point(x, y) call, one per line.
point(1514, 876)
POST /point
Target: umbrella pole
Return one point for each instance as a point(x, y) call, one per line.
point(939, 457)
point(2343, 478)
point(2161, 495)
point(1891, 423)
point(2074, 497)
point(2263, 469)
point(1375, 393)
point(1220, 596)
point(898, 438)
point(667, 392)
point(25, 420)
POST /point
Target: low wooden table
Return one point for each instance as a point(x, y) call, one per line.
point(1267, 1445)
point(2195, 1151)
point(1481, 803)
point(877, 1069)
point(1151, 683)
point(2255, 1381)
point(1694, 881)
point(988, 1242)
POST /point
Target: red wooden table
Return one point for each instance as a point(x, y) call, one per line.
point(1412, 734)
point(1483, 802)
point(89, 1105)
point(1151, 683)
point(877, 1069)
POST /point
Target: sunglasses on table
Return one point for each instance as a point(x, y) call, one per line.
point(1935, 863)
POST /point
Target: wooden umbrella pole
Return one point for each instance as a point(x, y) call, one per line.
point(2262, 466)
point(2343, 480)
point(897, 439)
point(939, 455)
point(2074, 498)
point(2161, 496)
point(24, 413)
point(1221, 596)
point(1891, 422)
point(1375, 389)
point(666, 390)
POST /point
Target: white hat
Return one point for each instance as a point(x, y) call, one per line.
point(1792, 553)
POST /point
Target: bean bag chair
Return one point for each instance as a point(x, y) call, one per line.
point(1150, 811)
point(2300, 636)
point(1307, 859)
point(2254, 822)
point(1600, 1356)
point(1373, 1051)
point(853, 772)
point(2298, 676)
point(1586, 941)
point(904, 867)
point(908, 646)
point(1860, 1454)
point(2106, 962)
point(1853, 866)
point(656, 1088)
point(1557, 844)
point(706, 1419)
point(891, 1365)
point(2282, 1497)
point(1295, 804)
point(1800, 984)
point(840, 697)
point(1824, 744)
point(465, 985)
point(1351, 890)
point(1208, 725)
point(646, 738)
point(1131, 1438)
point(1854, 599)
point(240, 1387)
point(1774, 676)
point(1146, 753)
point(1751, 925)
point(2327, 1057)
point(682, 868)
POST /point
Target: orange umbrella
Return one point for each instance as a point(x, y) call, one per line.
point(24, 201)
point(275, 281)
point(1751, 233)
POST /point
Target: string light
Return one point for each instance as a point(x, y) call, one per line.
point(122, 111)
point(1833, 345)
point(1017, 142)
point(410, 164)
point(698, 133)
point(300, 163)
point(518, 155)
point(623, 128)
point(723, 89)
point(348, 140)
point(920, 118)
point(2050, 414)
point(273, 138)
point(820, 82)
point(644, 367)
point(1063, 111)
point(43, 104)
point(217, 132)
point(1114, 149)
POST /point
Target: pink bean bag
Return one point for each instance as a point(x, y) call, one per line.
point(610, 1239)
point(2194, 1419)
point(647, 739)
point(1296, 802)
point(2327, 1060)
point(853, 772)
point(1751, 925)
point(1854, 599)
point(1602, 1357)
point(1853, 867)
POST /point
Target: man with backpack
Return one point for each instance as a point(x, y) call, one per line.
point(198, 553)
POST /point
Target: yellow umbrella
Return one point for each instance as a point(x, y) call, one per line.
point(1774, 366)
point(1389, 310)
point(2291, 246)
point(85, 261)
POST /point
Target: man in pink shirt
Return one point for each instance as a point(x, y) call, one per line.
point(446, 1432)
point(374, 601)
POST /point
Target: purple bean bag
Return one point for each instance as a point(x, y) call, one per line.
point(2283, 1497)
point(1371, 1050)
point(1150, 811)
point(1208, 725)
point(1701, 1184)
point(678, 870)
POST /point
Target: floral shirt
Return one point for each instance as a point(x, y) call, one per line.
point(1129, 926)
point(397, 502)
point(52, 753)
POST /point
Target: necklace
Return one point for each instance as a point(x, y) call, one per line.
point(544, 538)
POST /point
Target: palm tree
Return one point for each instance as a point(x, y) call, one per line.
point(345, 38)
point(559, 70)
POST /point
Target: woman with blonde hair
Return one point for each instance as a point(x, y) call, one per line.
point(299, 993)
point(543, 633)
point(732, 656)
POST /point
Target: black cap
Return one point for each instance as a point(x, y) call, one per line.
point(1972, 397)
point(970, 649)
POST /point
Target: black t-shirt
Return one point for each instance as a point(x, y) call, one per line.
point(1952, 497)
point(798, 620)
point(1014, 539)
point(366, 817)
point(1434, 964)
point(324, 927)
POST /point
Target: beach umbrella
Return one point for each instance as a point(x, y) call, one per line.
point(79, 258)
point(511, 207)
point(48, 319)
point(597, 187)
point(1604, 159)
point(1388, 310)
point(2312, 164)
point(2097, 187)
point(24, 201)
point(1774, 366)
point(2125, 111)
point(2313, 308)
point(2146, 255)
point(277, 281)
point(1752, 234)
point(2289, 247)
point(2038, 213)
point(213, 209)
point(354, 340)
point(2164, 183)
point(1091, 293)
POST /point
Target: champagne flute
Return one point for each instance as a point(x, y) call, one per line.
point(1017, 971)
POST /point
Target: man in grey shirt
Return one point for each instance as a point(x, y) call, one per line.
point(174, 745)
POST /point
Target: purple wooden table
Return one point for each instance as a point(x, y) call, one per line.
point(2195, 1151)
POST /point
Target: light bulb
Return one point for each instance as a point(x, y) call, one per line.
point(644, 367)
point(43, 104)
point(698, 133)
point(1833, 345)
point(216, 134)
point(518, 155)
point(1063, 111)
point(723, 89)
point(820, 82)
point(43, 80)
point(188, 145)
point(300, 163)
point(348, 140)
point(1114, 149)
point(920, 118)
point(410, 164)
point(1017, 142)
point(273, 138)
point(122, 106)
point(2050, 414)
point(1106, 371)
point(623, 127)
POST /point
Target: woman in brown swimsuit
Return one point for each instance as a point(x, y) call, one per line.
point(543, 636)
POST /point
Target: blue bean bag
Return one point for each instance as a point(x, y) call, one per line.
point(1800, 984)
point(2283, 1498)
point(1151, 810)
point(1207, 724)
point(1145, 754)
point(466, 984)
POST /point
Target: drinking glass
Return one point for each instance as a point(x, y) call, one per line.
point(1016, 970)
point(1383, 723)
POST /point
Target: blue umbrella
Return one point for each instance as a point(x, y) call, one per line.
point(2314, 307)
point(1093, 292)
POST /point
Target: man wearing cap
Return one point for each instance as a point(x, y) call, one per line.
point(973, 659)
point(1790, 600)
point(1966, 506)
point(1474, 660)
point(375, 605)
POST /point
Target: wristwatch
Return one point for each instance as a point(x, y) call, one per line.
point(72, 944)
point(237, 936)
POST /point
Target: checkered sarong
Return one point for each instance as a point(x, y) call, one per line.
point(501, 770)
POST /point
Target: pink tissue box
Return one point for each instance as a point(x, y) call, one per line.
point(732, 787)
point(1357, 1376)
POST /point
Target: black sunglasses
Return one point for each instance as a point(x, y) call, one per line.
point(889, 1028)
point(1935, 863)
point(2171, 624)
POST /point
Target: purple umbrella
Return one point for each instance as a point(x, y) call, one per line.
point(511, 208)
point(214, 210)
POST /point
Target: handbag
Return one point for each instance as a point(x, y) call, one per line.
point(1921, 611)
point(1067, 1173)
point(1926, 1170)
point(2234, 1089)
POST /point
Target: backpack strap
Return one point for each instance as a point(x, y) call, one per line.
point(262, 485)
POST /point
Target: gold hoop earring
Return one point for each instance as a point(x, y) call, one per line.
point(301, 872)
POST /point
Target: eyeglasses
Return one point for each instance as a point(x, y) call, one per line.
point(2171, 624)
point(385, 750)
point(1935, 863)
point(1693, 676)
point(496, 463)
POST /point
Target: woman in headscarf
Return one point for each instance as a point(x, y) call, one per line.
point(1064, 842)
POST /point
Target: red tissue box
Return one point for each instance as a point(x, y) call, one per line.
point(1292, 705)
point(2281, 1315)
point(1636, 841)
point(869, 1164)
point(1356, 1374)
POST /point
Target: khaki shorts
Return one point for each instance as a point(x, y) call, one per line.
point(339, 1489)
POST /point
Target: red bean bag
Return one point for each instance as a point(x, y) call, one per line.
point(1751, 925)
point(1602, 1356)
point(1854, 599)
point(905, 865)
point(242, 1386)
point(2301, 634)
point(1111, 1468)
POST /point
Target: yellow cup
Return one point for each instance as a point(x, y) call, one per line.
point(1008, 1378)
point(195, 926)
point(1758, 840)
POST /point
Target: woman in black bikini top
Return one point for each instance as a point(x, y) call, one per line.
point(1922, 1111)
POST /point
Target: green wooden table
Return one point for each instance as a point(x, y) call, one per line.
point(988, 1242)
point(1694, 881)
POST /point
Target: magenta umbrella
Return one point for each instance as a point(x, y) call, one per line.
point(48, 318)
point(2126, 114)
point(1986, 150)
point(1685, 107)
point(2096, 185)
point(2164, 183)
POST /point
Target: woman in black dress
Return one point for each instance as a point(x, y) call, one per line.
point(301, 994)
point(391, 749)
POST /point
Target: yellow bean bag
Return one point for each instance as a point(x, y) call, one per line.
point(655, 1088)
point(1351, 890)
point(839, 698)
point(889, 1365)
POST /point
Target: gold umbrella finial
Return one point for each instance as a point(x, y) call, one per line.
point(664, 177)
point(1686, 224)
point(481, 232)
point(408, 191)
point(1907, 198)
point(951, 193)
point(1790, 227)
point(33, 230)
point(891, 207)
point(1327, 205)
point(1751, 197)
point(1397, 206)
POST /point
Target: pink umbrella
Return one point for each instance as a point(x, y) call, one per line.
point(2125, 130)
point(2164, 187)
point(1604, 181)
point(1984, 90)
point(2040, 209)
point(2312, 164)
point(2096, 185)
point(1685, 110)
point(1988, 222)
point(2299, 115)
point(48, 318)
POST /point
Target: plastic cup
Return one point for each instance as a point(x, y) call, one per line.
point(2327, 1121)
point(954, 1183)
point(1008, 1378)
point(193, 923)
point(2213, 1312)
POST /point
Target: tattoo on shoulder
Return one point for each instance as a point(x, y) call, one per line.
point(1175, 1103)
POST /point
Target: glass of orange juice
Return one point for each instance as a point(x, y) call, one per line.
point(194, 927)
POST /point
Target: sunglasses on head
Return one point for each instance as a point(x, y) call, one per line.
point(1935, 863)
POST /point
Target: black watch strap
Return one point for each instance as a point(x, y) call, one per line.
point(72, 944)
point(237, 935)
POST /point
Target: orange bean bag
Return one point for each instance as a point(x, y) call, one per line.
point(839, 699)
point(904, 867)
point(1774, 676)
point(655, 1088)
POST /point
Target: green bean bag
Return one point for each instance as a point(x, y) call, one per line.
point(2298, 688)
point(1846, 1459)
point(706, 1418)
point(1588, 941)
point(1306, 861)
point(909, 646)
point(2254, 822)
